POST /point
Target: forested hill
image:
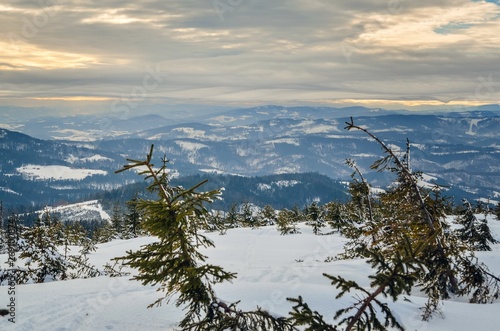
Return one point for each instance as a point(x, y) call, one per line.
point(279, 191)
point(37, 172)
point(34, 171)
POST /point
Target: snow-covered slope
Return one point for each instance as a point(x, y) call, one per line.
point(270, 268)
point(40, 172)
point(87, 210)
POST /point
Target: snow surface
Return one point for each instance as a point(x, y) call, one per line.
point(270, 268)
point(474, 122)
point(278, 184)
point(310, 127)
point(190, 146)
point(286, 183)
point(427, 181)
point(78, 210)
point(40, 172)
point(94, 158)
point(77, 135)
point(394, 129)
point(8, 190)
point(290, 141)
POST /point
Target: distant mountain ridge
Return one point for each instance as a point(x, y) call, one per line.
point(115, 124)
point(33, 170)
point(461, 150)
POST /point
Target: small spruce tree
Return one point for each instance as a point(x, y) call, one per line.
point(337, 217)
point(38, 246)
point(412, 245)
point(286, 222)
point(247, 216)
point(360, 194)
point(299, 215)
point(132, 219)
point(485, 235)
point(232, 218)
point(216, 222)
point(104, 233)
point(473, 231)
point(393, 277)
point(268, 215)
point(314, 216)
point(117, 221)
point(175, 263)
point(418, 213)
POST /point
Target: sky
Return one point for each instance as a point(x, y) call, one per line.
point(112, 55)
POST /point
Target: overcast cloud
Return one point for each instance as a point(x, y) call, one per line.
point(250, 51)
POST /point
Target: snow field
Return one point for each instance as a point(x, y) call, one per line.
point(39, 172)
point(270, 268)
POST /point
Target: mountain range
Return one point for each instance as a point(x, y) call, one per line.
point(75, 156)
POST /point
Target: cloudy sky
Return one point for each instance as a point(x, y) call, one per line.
point(398, 53)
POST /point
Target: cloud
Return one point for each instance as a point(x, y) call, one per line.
point(251, 50)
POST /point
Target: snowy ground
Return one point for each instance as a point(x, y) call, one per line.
point(270, 268)
point(44, 172)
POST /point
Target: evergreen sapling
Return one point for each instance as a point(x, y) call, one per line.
point(175, 263)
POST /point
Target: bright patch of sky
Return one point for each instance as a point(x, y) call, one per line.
point(451, 27)
point(490, 1)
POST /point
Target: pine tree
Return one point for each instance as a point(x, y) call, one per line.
point(468, 220)
point(314, 217)
point(81, 266)
point(286, 222)
point(76, 235)
point(103, 234)
point(47, 250)
point(393, 277)
point(132, 219)
point(39, 247)
point(216, 221)
point(268, 215)
point(360, 194)
point(117, 221)
point(13, 236)
point(247, 216)
point(4, 246)
point(474, 232)
point(486, 238)
point(337, 217)
point(299, 216)
point(175, 263)
point(411, 244)
point(418, 213)
point(232, 219)
point(14, 229)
